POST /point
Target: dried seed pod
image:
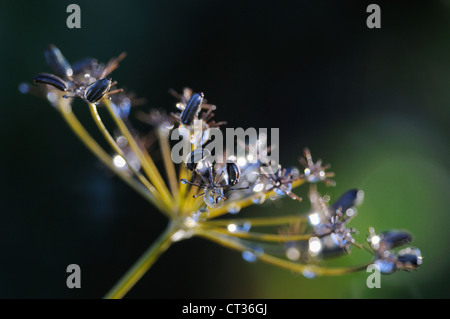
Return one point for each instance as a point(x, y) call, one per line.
point(51, 79)
point(97, 90)
point(394, 238)
point(57, 61)
point(409, 258)
point(349, 199)
point(192, 109)
point(233, 174)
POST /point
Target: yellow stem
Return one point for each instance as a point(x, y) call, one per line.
point(101, 126)
point(147, 163)
point(138, 270)
point(168, 163)
point(299, 268)
point(259, 221)
point(264, 236)
point(183, 174)
point(70, 118)
point(213, 213)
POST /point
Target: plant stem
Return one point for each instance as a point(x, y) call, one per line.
point(216, 212)
point(66, 111)
point(259, 221)
point(163, 138)
point(138, 270)
point(118, 150)
point(228, 241)
point(264, 236)
point(146, 161)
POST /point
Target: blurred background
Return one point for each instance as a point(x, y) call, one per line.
point(372, 102)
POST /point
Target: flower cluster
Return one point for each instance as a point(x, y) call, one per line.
point(194, 195)
point(388, 260)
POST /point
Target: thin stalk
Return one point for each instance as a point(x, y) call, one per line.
point(168, 163)
point(147, 163)
point(283, 263)
point(183, 173)
point(72, 121)
point(102, 128)
point(138, 270)
point(213, 213)
point(258, 221)
point(264, 236)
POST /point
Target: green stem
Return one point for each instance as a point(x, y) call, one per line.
point(135, 273)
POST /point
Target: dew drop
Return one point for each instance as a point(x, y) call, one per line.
point(259, 199)
point(119, 161)
point(233, 209)
point(309, 274)
point(385, 267)
point(258, 187)
point(274, 196)
point(201, 215)
point(315, 246)
point(52, 97)
point(251, 256)
point(179, 235)
point(122, 141)
point(314, 219)
point(293, 253)
point(239, 227)
point(24, 88)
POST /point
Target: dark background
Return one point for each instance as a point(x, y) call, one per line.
point(372, 102)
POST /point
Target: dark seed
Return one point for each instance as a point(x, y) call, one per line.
point(57, 61)
point(192, 108)
point(350, 199)
point(97, 90)
point(51, 79)
point(234, 173)
point(395, 238)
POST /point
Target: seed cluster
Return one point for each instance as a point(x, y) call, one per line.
point(200, 190)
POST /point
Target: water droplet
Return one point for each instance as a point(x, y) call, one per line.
point(179, 235)
point(24, 88)
point(119, 161)
point(274, 196)
point(314, 219)
point(259, 198)
point(233, 208)
point(386, 267)
point(252, 256)
point(241, 161)
point(309, 274)
point(249, 256)
point(315, 246)
point(293, 253)
point(258, 187)
point(201, 215)
point(239, 227)
point(189, 222)
point(214, 197)
point(122, 141)
point(52, 97)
